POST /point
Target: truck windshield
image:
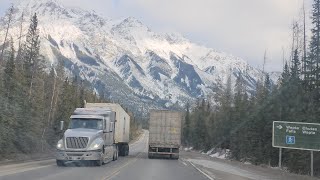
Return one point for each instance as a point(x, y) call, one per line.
point(86, 123)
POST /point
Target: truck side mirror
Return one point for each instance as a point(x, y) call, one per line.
point(61, 125)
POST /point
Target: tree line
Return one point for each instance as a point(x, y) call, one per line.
point(35, 98)
point(242, 122)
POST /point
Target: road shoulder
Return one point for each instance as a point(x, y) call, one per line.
point(226, 169)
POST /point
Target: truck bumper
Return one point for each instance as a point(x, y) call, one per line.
point(172, 152)
point(78, 156)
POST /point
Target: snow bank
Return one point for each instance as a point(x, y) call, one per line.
point(188, 148)
point(218, 153)
point(226, 168)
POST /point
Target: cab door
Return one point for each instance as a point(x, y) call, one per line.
point(108, 135)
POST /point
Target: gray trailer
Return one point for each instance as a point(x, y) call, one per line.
point(164, 133)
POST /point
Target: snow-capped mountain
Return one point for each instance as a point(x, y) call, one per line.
point(128, 61)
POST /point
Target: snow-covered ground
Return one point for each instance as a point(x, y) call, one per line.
point(224, 169)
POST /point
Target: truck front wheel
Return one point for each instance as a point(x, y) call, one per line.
point(116, 154)
point(127, 150)
point(60, 163)
point(99, 162)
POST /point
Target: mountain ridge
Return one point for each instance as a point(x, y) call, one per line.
point(156, 70)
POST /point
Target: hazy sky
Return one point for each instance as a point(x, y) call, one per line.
point(244, 28)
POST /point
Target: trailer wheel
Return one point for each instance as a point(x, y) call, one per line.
point(127, 150)
point(174, 157)
point(120, 149)
point(99, 162)
point(150, 156)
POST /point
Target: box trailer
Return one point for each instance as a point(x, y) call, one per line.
point(122, 125)
point(164, 133)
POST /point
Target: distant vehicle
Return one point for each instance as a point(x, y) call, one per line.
point(164, 133)
point(99, 133)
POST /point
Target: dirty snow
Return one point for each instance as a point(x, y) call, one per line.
point(188, 148)
point(226, 168)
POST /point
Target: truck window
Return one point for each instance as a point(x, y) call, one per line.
point(111, 127)
point(86, 124)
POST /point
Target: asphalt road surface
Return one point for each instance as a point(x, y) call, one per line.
point(136, 166)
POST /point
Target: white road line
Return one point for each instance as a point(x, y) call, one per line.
point(205, 174)
point(182, 161)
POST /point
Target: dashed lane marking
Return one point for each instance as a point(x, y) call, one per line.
point(205, 174)
point(114, 173)
point(117, 171)
point(182, 161)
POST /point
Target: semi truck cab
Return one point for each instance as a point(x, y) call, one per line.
point(89, 137)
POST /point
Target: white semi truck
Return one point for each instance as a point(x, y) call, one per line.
point(99, 133)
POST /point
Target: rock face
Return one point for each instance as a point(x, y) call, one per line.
point(129, 62)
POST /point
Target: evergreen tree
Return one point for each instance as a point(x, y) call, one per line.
point(295, 67)
point(186, 128)
point(200, 134)
point(9, 76)
point(312, 62)
point(285, 76)
point(32, 53)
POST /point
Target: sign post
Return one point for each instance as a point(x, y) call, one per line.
point(296, 135)
point(280, 157)
point(311, 173)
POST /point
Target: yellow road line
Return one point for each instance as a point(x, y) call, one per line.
point(114, 173)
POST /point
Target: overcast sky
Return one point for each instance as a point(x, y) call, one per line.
point(244, 28)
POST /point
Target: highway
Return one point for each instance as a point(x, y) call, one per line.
point(136, 166)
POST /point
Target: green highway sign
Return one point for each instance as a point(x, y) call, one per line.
point(296, 135)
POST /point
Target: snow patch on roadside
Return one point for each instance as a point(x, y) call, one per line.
point(226, 168)
point(218, 153)
point(188, 149)
point(210, 151)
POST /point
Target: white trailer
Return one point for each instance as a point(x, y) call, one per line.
point(122, 125)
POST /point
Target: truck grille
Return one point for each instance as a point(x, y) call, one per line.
point(77, 142)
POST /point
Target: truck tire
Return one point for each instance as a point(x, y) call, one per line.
point(123, 150)
point(150, 156)
point(115, 154)
point(120, 149)
point(60, 163)
point(127, 150)
point(174, 157)
point(99, 162)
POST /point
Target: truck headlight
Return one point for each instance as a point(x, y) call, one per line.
point(96, 144)
point(60, 145)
